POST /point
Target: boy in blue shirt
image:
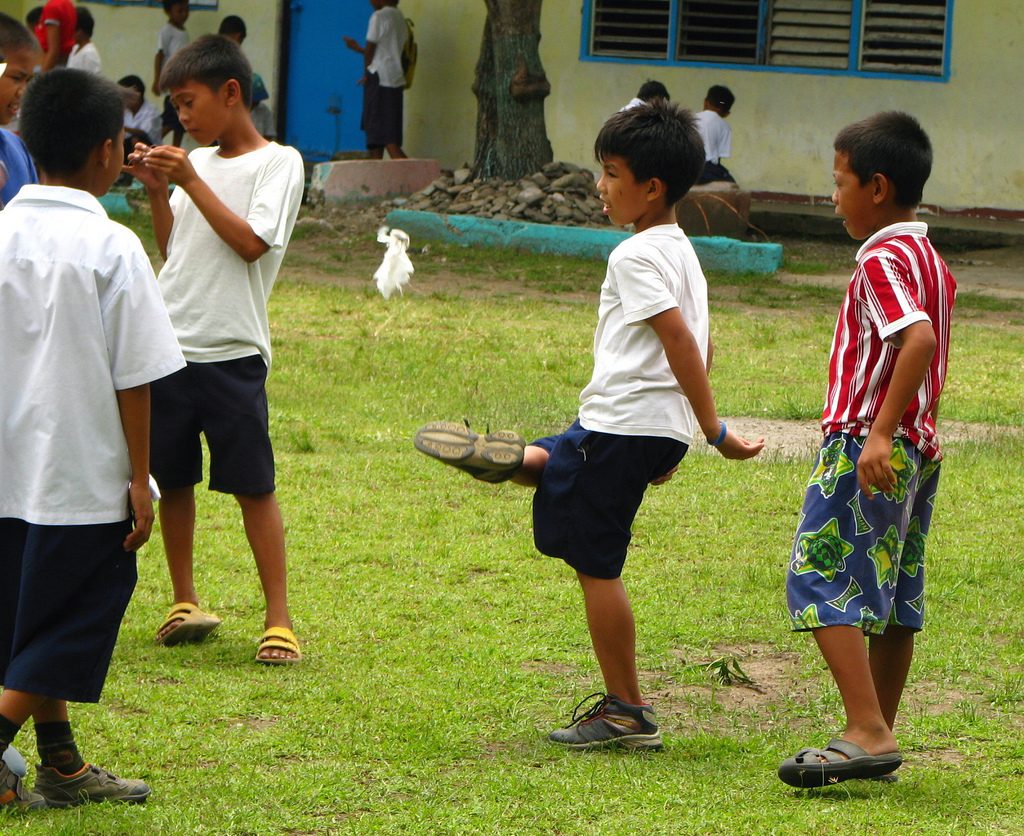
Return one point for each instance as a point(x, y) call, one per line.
point(19, 55)
point(648, 399)
point(83, 334)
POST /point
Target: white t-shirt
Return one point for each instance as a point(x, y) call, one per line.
point(170, 39)
point(633, 391)
point(717, 135)
point(217, 301)
point(85, 58)
point(80, 317)
point(147, 119)
point(388, 31)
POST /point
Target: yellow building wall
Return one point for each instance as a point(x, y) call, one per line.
point(783, 123)
point(126, 36)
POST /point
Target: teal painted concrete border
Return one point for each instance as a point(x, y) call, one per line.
point(115, 203)
point(722, 254)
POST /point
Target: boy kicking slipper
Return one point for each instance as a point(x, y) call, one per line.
point(185, 622)
point(839, 761)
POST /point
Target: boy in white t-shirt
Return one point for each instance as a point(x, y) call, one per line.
point(716, 134)
point(384, 79)
point(83, 334)
point(647, 401)
point(84, 55)
point(223, 232)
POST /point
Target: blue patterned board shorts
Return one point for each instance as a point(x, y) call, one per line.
point(856, 561)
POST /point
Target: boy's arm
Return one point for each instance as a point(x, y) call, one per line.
point(233, 230)
point(688, 366)
point(916, 345)
point(51, 57)
point(156, 190)
point(158, 67)
point(133, 404)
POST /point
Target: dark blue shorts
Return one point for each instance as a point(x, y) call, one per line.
point(169, 120)
point(857, 561)
point(64, 592)
point(226, 402)
point(589, 494)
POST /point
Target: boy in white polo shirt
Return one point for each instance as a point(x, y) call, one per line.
point(83, 332)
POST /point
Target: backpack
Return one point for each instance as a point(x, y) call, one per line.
point(409, 55)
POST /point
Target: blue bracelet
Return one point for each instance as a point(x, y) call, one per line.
point(721, 435)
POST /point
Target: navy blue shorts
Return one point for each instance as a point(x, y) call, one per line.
point(169, 120)
point(64, 592)
point(589, 494)
point(226, 402)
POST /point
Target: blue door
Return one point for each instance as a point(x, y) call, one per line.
point(324, 101)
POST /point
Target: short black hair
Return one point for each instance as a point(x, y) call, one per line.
point(657, 139)
point(169, 4)
point(212, 60)
point(232, 25)
point(14, 35)
point(33, 16)
point(85, 20)
point(67, 113)
point(890, 143)
point(652, 90)
point(134, 82)
point(721, 96)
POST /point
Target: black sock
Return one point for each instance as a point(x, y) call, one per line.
point(56, 746)
point(8, 731)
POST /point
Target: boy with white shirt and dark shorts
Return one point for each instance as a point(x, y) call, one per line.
point(648, 399)
point(224, 232)
point(83, 334)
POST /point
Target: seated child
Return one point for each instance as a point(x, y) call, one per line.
point(858, 562)
point(648, 92)
point(141, 118)
point(224, 232)
point(648, 400)
point(83, 333)
point(716, 134)
point(20, 51)
point(84, 55)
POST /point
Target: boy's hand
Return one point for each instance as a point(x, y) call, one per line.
point(665, 477)
point(141, 503)
point(172, 162)
point(352, 43)
point(874, 472)
point(736, 447)
point(151, 178)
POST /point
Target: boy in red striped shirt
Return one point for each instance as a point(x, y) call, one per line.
point(857, 566)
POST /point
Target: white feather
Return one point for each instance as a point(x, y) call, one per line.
point(396, 268)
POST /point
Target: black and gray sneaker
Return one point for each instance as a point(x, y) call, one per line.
point(493, 457)
point(609, 721)
point(14, 793)
point(90, 783)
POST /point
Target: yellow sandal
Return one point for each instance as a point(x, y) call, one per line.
point(191, 624)
point(278, 638)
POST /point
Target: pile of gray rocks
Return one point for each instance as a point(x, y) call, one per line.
point(560, 193)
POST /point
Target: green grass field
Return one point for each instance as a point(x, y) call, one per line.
point(441, 648)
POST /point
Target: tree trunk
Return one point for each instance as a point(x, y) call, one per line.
point(510, 87)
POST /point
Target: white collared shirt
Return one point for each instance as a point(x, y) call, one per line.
point(80, 318)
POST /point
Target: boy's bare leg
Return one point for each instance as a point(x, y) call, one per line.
point(18, 706)
point(177, 527)
point(890, 655)
point(264, 529)
point(847, 657)
point(534, 461)
point(613, 635)
point(395, 151)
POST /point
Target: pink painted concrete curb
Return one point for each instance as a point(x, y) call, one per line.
point(348, 180)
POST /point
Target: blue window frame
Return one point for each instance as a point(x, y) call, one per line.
point(868, 38)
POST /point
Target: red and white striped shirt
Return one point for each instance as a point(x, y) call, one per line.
point(900, 279)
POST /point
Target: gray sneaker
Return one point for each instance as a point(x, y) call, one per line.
point(14, 793)
point(90, 783)
point(494, 457)
point(609, 722)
